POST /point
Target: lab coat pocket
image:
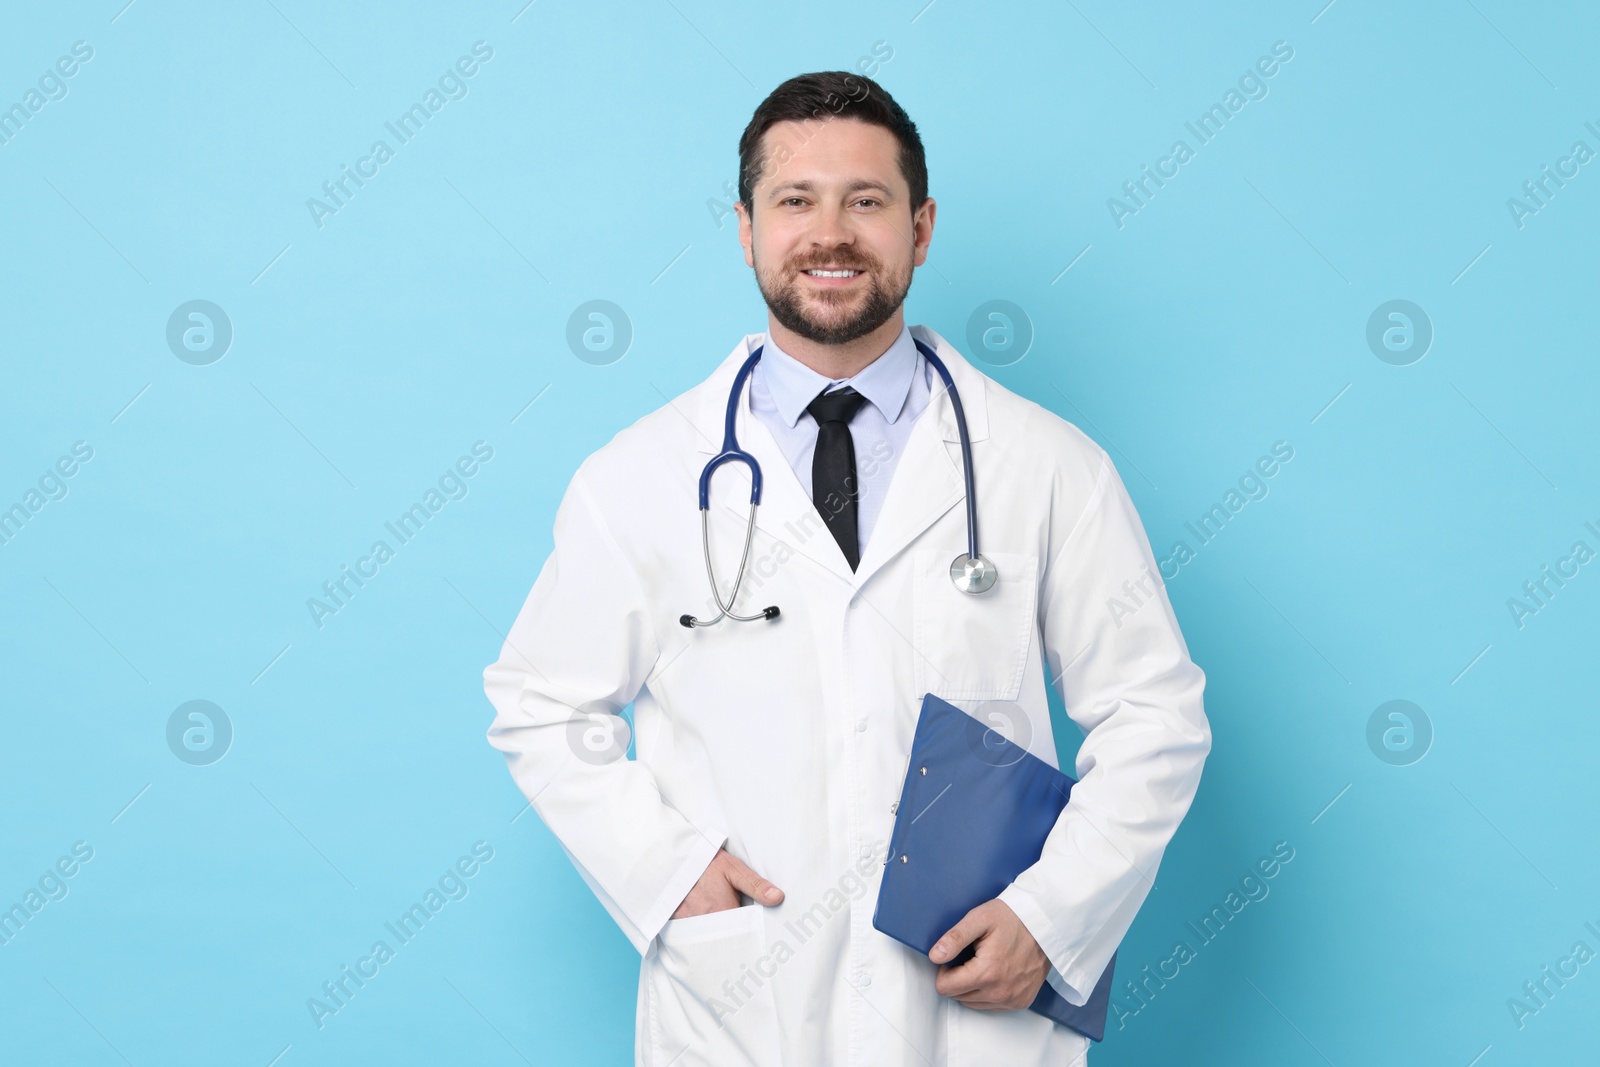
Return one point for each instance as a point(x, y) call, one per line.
point(1005, 1038)
point(709, 998)
point(972, 646)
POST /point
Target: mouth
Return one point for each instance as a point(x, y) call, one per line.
point(833, 276)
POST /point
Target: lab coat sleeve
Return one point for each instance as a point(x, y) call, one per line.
point(1123, 672)
point(579, 651)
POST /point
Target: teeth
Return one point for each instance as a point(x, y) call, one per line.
point(833, 273)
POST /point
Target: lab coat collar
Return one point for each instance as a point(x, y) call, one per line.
point(711, 403)
point(927, 481)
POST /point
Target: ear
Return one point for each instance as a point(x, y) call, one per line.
point(922, 231)
point(746, 232)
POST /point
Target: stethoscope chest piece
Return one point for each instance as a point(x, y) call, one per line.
point(973, 574)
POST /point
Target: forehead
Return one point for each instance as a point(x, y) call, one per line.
point(830, 151)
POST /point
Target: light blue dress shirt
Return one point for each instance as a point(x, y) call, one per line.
point(897, 385)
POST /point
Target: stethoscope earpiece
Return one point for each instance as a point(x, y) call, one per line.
point(690, 622)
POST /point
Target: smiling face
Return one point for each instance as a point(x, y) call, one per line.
point(831, 232)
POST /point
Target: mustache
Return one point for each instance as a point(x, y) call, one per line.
point(832, 263)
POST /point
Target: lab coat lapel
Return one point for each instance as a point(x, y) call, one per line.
point(927, 478)
point(786, 512)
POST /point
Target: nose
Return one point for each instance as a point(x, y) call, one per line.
point(832, 228)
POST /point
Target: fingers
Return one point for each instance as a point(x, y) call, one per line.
point(972, 977)
point(981, 983)
point(748, 882)
point(986, 980)
point(711, 892)
point(972, 926)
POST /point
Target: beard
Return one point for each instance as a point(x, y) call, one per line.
point(833, 317)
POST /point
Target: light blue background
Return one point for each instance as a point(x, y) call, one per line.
point(1228, 314)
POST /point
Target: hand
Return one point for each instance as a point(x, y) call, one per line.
point(1008, 967)
point(719, 887)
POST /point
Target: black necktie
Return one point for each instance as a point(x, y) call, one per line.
point(834, 489)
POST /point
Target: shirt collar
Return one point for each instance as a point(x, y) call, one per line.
point(885, 382)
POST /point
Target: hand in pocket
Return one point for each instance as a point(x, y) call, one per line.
point(719, 887)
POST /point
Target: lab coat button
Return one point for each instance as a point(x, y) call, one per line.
point(861, 726)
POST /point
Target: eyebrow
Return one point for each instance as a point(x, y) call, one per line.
point(803, 186)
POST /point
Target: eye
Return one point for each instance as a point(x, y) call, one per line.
point(867, 200)
point(791, 200)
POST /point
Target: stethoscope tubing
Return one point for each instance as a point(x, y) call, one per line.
point(732, 453)
point(726, 610)
point(966, 447)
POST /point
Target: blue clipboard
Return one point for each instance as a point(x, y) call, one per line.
point(974, 813)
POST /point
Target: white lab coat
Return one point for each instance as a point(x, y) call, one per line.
point(787, 741)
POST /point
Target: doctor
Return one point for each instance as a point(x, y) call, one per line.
point(741, 850)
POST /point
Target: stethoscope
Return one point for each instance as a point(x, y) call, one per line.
point(971, 573)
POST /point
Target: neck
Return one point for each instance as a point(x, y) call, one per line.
point(838, 361)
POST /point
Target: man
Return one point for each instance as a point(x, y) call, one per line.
point(740, 851)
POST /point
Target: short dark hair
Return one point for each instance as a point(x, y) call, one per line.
point(832, 94)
